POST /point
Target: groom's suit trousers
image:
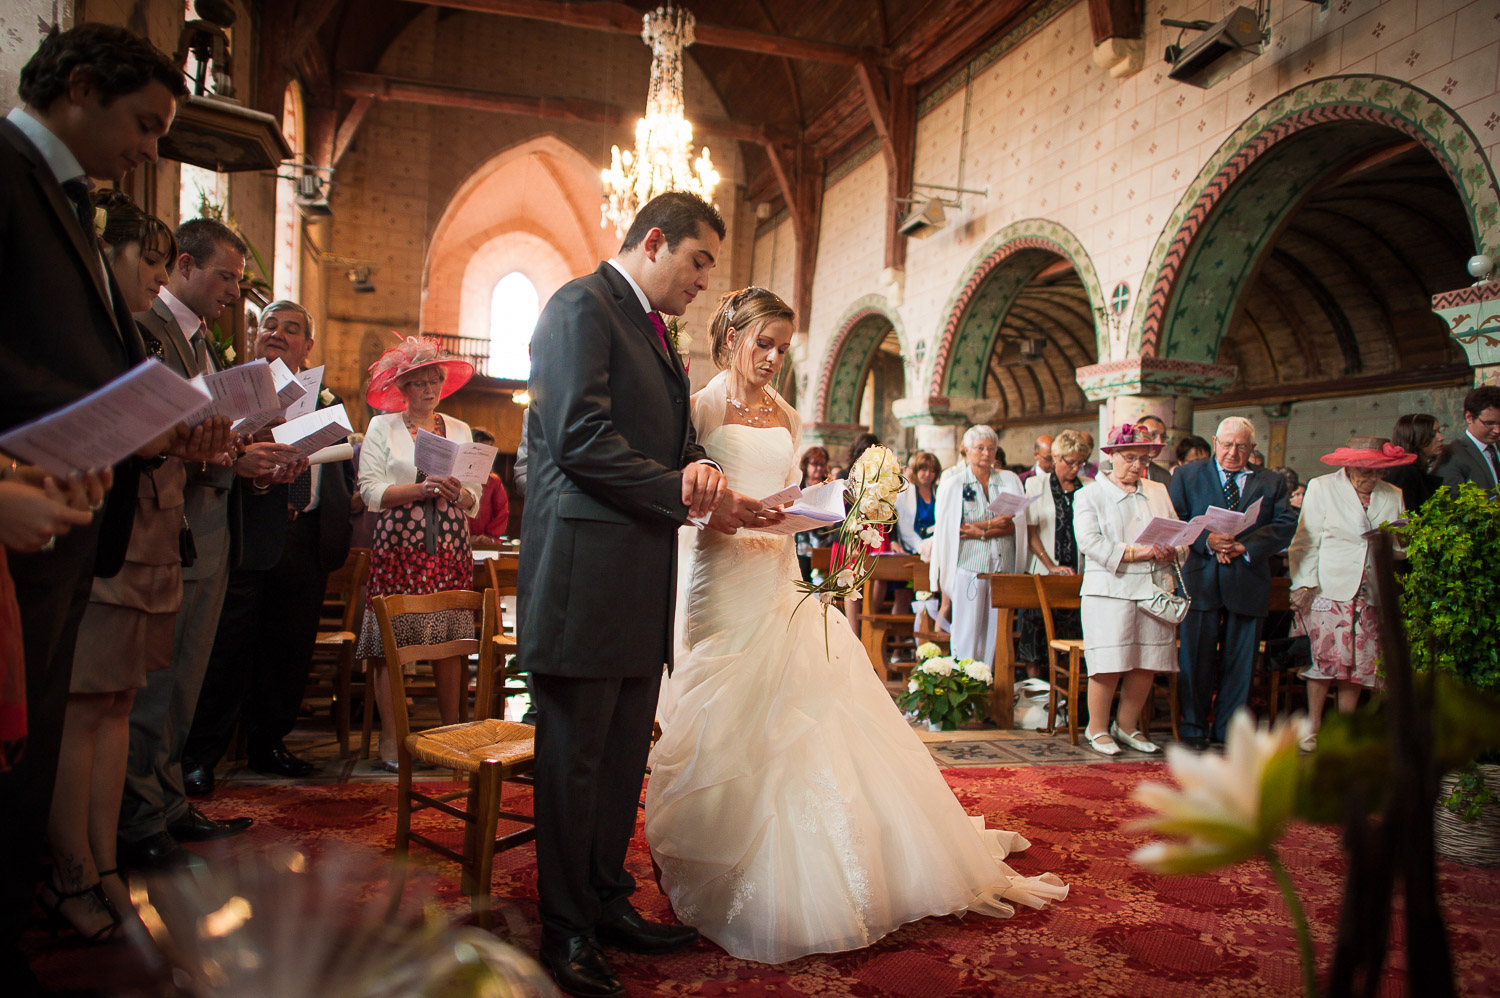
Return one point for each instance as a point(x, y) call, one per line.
point(592, 739)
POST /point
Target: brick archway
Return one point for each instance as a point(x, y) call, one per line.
point(860, 331)
point(533, 208)
point(1170, 324)
point(1005, 262)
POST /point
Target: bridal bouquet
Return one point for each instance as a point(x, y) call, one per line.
point(870, 495)
point(945, 691)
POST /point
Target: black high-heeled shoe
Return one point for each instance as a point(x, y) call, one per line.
point(57, 922)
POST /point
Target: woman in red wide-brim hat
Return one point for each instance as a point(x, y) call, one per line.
point(421, 538)
point(1332, 589)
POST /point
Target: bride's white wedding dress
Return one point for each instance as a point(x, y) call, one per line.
point(791, 808)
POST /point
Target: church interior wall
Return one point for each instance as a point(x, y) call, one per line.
point(1053, 136)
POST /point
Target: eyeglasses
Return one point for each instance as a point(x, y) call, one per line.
point(425, 383)
point(1238, 448)
point(1133, 460)
point(1072, 462)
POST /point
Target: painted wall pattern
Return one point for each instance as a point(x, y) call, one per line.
point(860, 331)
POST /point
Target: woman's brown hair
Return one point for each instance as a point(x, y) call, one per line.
point(743, 310)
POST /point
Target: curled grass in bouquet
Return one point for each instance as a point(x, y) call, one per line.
point(946, 691)
point(870, 495)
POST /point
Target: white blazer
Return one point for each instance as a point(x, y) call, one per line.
point(1100, 517)
point(388, 457)
point(949, 513)
point(1328, 552)
point(1041, 516)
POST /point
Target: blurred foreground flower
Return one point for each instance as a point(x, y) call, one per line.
point(287, 925)
point(1231, 808)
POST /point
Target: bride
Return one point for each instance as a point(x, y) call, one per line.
point(791, 808)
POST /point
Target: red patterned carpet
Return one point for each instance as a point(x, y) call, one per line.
point(1121, 932)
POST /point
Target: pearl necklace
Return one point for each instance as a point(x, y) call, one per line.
point(762, 414)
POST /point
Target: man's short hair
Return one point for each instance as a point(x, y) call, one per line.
point(1232, 424)
point(199, 238)
point(678, 215)
point(287, 305)
point(1481, 398)
point(1152, 419)
point(114, 59)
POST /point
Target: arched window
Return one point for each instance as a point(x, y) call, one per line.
point(514, 307)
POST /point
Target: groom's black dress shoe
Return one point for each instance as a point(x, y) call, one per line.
point(277, 761)
point(632, 932)
point(154, 853)
point(579, 968)
point(196, 826)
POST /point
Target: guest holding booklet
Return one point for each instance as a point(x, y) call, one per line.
point(421, 542)
point(1120, 576)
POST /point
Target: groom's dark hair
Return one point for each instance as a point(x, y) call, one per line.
point(678, 215)
point(115, 60)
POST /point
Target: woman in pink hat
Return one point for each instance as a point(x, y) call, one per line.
point(1332, 591)
point(421, 542)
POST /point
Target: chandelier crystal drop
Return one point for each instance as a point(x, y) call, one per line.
point(663, 157)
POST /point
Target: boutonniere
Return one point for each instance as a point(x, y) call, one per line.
point(326, 396)
point(101, 219)
point(680, 340)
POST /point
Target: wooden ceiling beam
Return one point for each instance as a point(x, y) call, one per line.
point(380, 87)
point(310, 17)
point(618, 18)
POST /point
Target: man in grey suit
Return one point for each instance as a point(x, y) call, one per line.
point(614, 471)
point(1475, 456)
point(1228, 579)
point(155, 815)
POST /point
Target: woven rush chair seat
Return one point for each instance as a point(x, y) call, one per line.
point(465, 747)
point(490, 751)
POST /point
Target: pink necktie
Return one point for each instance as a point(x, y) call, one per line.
point(661, 329)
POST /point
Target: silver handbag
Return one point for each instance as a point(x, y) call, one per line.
point(1169, 608)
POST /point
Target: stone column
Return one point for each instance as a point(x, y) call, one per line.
point(1151, 386)
point(836, 437)
point(1472, 316)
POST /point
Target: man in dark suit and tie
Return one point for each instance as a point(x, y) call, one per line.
point(294, 535)
point(1228, 579)
point(95, 101)
point(1475, 456)
point(614, 471)
point(155, 814)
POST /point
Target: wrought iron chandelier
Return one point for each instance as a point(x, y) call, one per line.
point(662, 160)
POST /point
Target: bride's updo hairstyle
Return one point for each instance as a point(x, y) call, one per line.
point(743, 311)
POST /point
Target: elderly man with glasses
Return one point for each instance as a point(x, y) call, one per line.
point(1228, 578)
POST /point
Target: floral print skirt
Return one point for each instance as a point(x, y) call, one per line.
point(1345, 639)
point(419, 548)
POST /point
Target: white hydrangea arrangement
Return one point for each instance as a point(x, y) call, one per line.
point(946, 691)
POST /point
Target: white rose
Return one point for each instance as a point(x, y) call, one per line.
point(326, 396)
point(229, 354)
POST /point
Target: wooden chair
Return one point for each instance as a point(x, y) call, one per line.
point(1281, 602)
point(490, 751)
point(875, 626)
point(1064, 655)
point(338, 640)
point(1009, 593)
point(504, 576)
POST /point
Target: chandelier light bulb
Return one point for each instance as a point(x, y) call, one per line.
point(663, 157)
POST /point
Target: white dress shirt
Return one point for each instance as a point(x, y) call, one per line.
point(55, 152)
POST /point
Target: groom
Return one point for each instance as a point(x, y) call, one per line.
point(614, 471)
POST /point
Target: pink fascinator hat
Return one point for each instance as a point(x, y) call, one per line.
point(1368, 452)
point(1128, 435)
point(411, 353)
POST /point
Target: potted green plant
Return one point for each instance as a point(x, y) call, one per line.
point(944, 691)
point(1450, 605)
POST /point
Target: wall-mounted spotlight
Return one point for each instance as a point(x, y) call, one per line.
point(1224, 47)
point(360, 280)
point(312, 184)
point(926, 214)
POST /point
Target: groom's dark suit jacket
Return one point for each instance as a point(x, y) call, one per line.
point(608, 434)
